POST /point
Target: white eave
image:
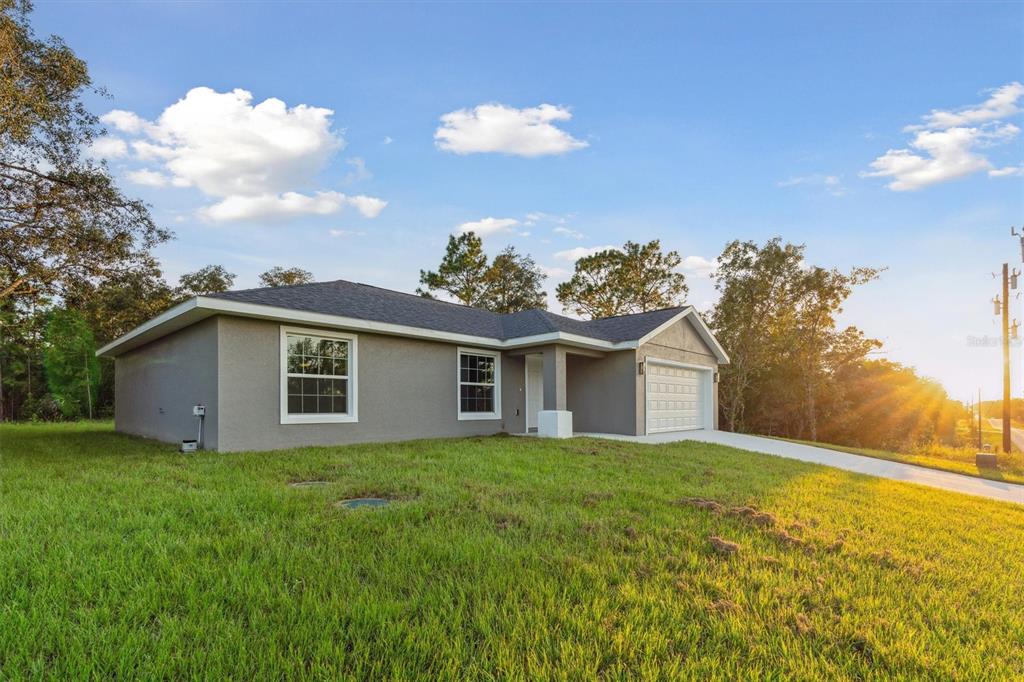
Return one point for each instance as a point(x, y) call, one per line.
point(202, 307)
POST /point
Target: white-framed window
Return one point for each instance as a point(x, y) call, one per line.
point(318, 376)
point(479, 384)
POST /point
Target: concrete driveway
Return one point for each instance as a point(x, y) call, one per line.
point(969, 485)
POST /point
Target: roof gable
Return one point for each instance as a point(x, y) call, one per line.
point(351, 305)
point(365, 302)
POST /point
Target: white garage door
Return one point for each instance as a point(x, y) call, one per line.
point(675, 398)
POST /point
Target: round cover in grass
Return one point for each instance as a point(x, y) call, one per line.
point(357, 502)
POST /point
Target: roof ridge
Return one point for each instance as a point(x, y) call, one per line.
point(283, 286)
point(420, 297)
point(643, 312)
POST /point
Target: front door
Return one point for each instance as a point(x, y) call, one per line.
point(534, 390)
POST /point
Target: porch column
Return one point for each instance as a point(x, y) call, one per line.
point(554, 378)
point(554, 421)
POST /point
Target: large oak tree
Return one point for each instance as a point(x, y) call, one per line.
point(63, 220)
point(634, 279)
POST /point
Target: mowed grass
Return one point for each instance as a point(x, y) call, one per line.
point(1009, 468)
point(499, 558)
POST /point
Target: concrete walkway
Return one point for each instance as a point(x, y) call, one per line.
point(969, 485)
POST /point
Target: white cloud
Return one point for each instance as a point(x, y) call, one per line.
point(832, 184)
point(359, 170)
point(698, 266)
point(1002, 104)
point(487, 226)
point(1006, 171)
point(568, 232)
point(149, 178)
point(387, 140)
point(370, 207)
point(573, 255)
point(251, 158)
point(346, 233)
point(497, 128)
point(107, 147)
point(554, 272)
point(942, 155)
point(288, 205)
point(125, 121)
point(951, 144)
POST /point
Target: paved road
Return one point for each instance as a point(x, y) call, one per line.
point(969, 485)
point(1016, 435)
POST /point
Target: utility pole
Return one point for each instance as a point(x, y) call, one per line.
point(1007, 443)
point(979, 420)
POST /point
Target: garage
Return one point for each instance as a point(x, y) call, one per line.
point(676, 396)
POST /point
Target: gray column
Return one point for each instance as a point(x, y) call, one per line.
point(554, 378)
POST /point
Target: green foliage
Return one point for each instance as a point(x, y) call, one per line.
point(72, 370)
point(776, 317)
point(500, 558)
point(513, 283)
point(461, 273)
point(510, 283)
point(62, 219)
point(211, 279)
point(636, 279)
point(285, 277)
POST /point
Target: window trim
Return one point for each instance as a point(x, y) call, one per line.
point(470, 416)
point(352, 416)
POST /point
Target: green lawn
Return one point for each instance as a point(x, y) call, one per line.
point(958, 460)
point(499, 558)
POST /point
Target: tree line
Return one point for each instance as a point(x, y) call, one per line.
point(77, 270)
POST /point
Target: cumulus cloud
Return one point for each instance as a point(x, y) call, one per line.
point(1007, 171)
point(573, 255)
point(251, 157)
point(832, 184)
point(1001, 104)
point(107, 147)
point(554, 272)
point(359, 170)
point(498, 128)
point(149, 178)
point(568, 232)
point(951, 144)
point(487, 226)
point(698, 266)
point(288, 205)
point(125, 121)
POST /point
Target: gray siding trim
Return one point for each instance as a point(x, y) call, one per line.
point(407, 390)
point(156, 385)
point(600, 393)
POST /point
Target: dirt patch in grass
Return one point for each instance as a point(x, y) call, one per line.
point(723, 547)
point(724, 606)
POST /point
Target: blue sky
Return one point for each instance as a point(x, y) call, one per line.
point(696, 124)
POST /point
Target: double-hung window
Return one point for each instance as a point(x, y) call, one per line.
point(479, 384)
point(318, 376)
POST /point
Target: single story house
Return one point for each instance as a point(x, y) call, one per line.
point(341, 362)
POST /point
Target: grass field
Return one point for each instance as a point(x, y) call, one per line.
point(498, 558)
point(957, 460)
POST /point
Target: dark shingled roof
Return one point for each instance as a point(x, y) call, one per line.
point(365, 302)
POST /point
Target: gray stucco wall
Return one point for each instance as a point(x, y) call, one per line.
point(679, 343)
point(407, 389)
point(156, 385)
point(598, 391)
